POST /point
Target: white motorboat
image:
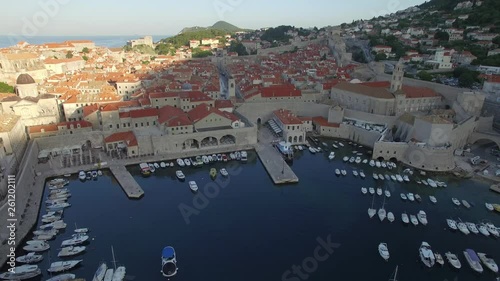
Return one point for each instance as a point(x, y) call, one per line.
point(399, 178)
point(426, 254)
point(489, 206)
point(473, 260)
point(383, 164)
point(60, 266)
point(119, 274)
point(94, 173)
point(414, 220)
point(455, 201)
point(46, 232)
point(483, 230)
point(44, 237)
point(163, 165)
point(393, 177)
point(82, 176)
point(404, 218)
point(377, 163)
point(439, 258)
point(152, 168)
point(406, 178)
point(472, 227)
point(425, 182)
point(54, 225)
point(312, 150)
point(463, 228)
point(355, 173)
point(343, 172)
point(358, 160)
point(364, 161)
point(403, 196)
point(371, 210)
point(21, 272)
point(432, 183)
point(341, 144)
point(364, 190)
point(452, 224)
point(51, 219)
point(63, 277)
point(193, 186)
point(331, 156)
point(352, 159)
point(387, 177)
point(224, 172)
point(75, 240)
point(422, 217)
point(71, 251)
point(345, 159)
point(36, 246)
point(99, 172)
point(418, 198)
point(380, 177)
point(387, 193)
point(372, 163)
point(433, 199)
point(492, 229)
point(411, 197)
point(337, 172)
point(488, 262)
point(362, 174)
point(187, 162)
point(180, 162)
point(381, 212)
point(58, 206)
point(109, 274)
point(466, 204)
point(30, 258)
point(453, 260)
point(390, 216)
point(244, 156)
point(206, 160)
point(379, 191)
point(101, 272)
point(81, 230)
point(180, 175)
point(383, 251)
point(375, 176)
point(371, 190)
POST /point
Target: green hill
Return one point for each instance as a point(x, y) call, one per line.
point(486, 14)
point(220, 25)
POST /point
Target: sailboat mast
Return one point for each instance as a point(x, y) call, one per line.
point(114, 260)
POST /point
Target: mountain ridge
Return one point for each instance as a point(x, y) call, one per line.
point(220, 25)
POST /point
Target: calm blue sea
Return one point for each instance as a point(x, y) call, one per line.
point(111, 41)
point(245, 228)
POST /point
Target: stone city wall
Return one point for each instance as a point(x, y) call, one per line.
point(389, 150)
point(429, 158)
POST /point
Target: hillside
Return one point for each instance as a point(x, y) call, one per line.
point(488, 13)
point(220, 25)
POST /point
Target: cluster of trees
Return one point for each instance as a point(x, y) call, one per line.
point(198, 53)
point(491, 61)
point(277, 34)
point(183, 38)
point(143, 49)
point(6, 88)
point(466, 77)
point(238, 47)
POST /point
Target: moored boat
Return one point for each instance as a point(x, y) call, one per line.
point(488, 262)
point(390, 216)
point(452, 224)
point(383, 251)
point(489, 206)
point(101, 272)
point(168, 262)
point(75, 240)
point(30, 258)
point(63, 277)
point(466, 204)
point(455, 201)
point(453, 260)
point(404, 218)
point(71, 251)
point(426, 254)
point(463, 228)
point(403, 196)
point(473, 260)
point(414, 220)
point(439, 258)
point(433, 199)
point(36, 246)
point(213, 173)
point(60, 266)
point(180, 175)
point(21, 272)
point(224, 172)
point(422, 217)
point(193, 186)
point(364, 190)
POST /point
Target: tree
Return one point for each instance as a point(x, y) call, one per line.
point(466, 80)
point(496, 40)
point(424, 75)
point(6, 88)
point(380, 56)
point(69, 55)
point(85, 58)
point(85, 50)
point(442, 36)
point(238, 48)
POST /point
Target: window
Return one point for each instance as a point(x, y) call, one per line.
point(142, 124)
point(136, 125)
point(111, 126)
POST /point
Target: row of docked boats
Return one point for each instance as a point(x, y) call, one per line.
point(193, 185)
point(393, 177)
point(105, 273)
point(148, 168)
point(487, 229)
point(89, 175)
point(475, 260)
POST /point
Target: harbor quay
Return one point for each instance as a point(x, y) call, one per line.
point(275, 165)
point(127, 182)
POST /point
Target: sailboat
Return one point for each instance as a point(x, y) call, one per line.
point(371, 211)
point(118, 273)
point(381, 212)
point(395, 275)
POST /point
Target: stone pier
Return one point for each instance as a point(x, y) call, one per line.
point(127, 182)
point(276, 167)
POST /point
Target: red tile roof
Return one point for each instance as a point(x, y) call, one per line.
point(127, 137)
point(287, 117)
point(203, 110)
point(324, 122)
point(287, 90)
point(87, 110)
point(410, 91)
point(224, 104)
point(55, 127)
point(116, 105)
point(141, 113)
point(173, 116)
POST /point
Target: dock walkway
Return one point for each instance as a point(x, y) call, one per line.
point(276, 167)
point(127, 182)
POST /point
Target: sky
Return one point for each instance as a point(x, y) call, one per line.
point(165, 17)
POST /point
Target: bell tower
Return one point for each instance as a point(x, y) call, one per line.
point(397, 77)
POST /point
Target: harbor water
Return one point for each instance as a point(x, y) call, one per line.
point(245, 228)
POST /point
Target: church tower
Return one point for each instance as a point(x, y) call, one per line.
point(231, 85)
point(397, 77)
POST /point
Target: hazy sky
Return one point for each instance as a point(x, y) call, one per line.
point(164, 17)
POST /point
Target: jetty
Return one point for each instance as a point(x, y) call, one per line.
point(126, 181)
point(495, 187)
point(276, 167)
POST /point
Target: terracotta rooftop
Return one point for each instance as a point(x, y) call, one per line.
point(203, 110)
point(324, 122)
point(173, 116)
point(127, 137)
point(287, 117)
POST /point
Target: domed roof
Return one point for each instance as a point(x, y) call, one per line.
point(25, 79)
point(187, 86)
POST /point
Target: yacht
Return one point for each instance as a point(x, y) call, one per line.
point(30, 258)
point(355, 173)
point(36, 246)
point(387, 193)
point(180, 162)
point(21, 272)
point(455, 201)
point(489, 206)
point(439, 258)
point(60, 266)
point(337, 172)
point(371, 190)
point(383, 251)
point(244, 156)
point(466, 204)
point(390, 216)
point(426, 254)
point(473, 260)
point(224, 172)
point(375, 176)
point(472, 227)
point(488, 262)
point(331, 156)
point(364, 191)
point(422, 217)
point(381, 212)
point(371, 211)
point(180, 175)
point(404, 218)
point(379, 191)
point(101, 271)
point(109, 274)
point(344, 172)
point(414, 220)
point(452, 224)
point(193, 186)
point(411, 197)
point(77, 239)
point(483, 230)
point(453, 260)
point(82, 176)
point(119, 274)
point(433, 199)
point(168, 262)
point(70, 251)
point(362, 174)
point(62, 277)
point(463, 228)
point(403, 196)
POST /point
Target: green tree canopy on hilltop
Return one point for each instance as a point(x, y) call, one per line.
point(184, 38)
point(277, 33)
point(6, 88)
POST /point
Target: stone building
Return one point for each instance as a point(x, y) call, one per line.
point(14, 64)
point(293, 129)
